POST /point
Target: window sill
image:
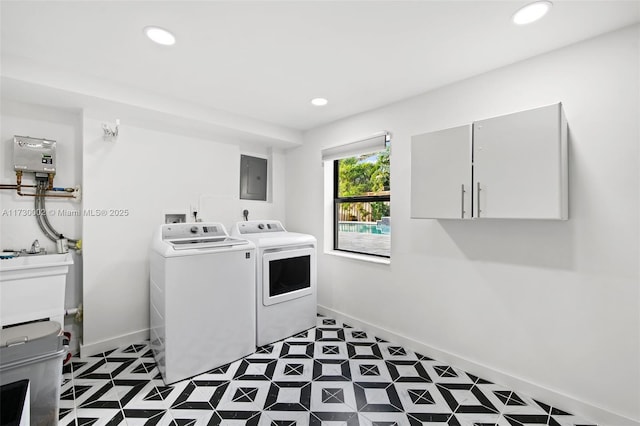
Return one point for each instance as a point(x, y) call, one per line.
point(361, 257)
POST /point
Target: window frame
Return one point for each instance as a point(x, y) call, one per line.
point(337, 200)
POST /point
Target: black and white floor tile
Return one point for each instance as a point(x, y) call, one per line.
point(332, 375)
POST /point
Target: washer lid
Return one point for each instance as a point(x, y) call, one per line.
point(191, 243)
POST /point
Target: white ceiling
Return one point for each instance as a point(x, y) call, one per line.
point(265, 59)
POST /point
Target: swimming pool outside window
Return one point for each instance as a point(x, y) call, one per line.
point(362, 204)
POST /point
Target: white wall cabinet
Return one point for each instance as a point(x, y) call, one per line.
point(510, 167)
point(441, 174)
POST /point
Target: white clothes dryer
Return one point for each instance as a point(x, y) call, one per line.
point(202, 299)
point(286, 279)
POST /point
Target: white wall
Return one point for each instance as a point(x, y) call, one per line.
point(17, 230)
point(150, 173)
point(552, 307)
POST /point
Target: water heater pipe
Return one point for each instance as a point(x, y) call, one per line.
point(43, 219)
point(76, 312)
point(18, 187)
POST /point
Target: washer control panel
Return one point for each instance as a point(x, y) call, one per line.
point(193, 230)
point(259, 226)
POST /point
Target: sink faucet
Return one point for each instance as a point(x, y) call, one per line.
point(35, 247)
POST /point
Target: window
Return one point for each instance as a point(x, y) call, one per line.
point(362, 211)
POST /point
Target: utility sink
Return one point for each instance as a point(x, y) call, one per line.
point(30, 261)
point(33, 287)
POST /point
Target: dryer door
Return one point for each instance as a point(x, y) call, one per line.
point(288, 274)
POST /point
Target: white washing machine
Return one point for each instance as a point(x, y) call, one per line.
point(286, 278)
point(202, 298)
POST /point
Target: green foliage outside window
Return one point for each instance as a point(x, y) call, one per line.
point(366, 175)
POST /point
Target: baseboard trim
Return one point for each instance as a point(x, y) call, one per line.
point(556, 399)
point(95, 348)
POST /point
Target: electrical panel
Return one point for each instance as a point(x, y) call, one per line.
point(34, 155)
point(253, 178)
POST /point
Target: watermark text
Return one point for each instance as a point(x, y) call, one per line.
point(65, 212)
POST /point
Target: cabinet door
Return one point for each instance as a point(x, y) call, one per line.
point(441, 174)
point(520, 165)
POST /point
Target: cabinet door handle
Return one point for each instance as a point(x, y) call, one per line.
point(478, 192)
point(462, 199)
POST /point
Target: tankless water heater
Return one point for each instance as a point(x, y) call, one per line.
point(34, 155)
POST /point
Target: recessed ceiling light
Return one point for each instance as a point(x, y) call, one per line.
point(319, 101)
point(531, 12)
point(160, 36)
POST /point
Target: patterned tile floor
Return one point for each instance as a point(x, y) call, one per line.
point(329, 375)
